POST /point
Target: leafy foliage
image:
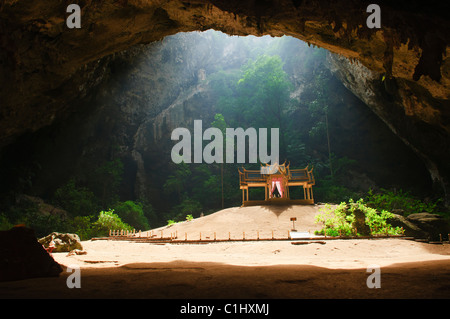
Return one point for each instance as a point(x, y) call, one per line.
point(336, 221)
point(132, 213)
point(340, 220)
point(109, 220)
point(77, 200)
point(187, 207)
point(82, 226)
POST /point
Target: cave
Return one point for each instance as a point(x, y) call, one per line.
point(47, 67)
point(82, 105)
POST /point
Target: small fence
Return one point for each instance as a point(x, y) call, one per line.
point(164, 236)
point(200, 236)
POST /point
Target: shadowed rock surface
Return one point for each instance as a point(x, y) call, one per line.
point(22, 256)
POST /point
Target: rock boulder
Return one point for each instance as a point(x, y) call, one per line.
point(63, 242)
point(431, 224)
point(22, 256)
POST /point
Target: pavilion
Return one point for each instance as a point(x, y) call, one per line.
point(277, 180)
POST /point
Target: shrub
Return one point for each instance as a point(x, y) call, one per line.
point(108, 220)
point(336, 221)
point(377, 221)
point(171, 222)
point(132, 213)
point(340, 220)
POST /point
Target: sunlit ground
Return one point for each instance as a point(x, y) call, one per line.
point(266, 269)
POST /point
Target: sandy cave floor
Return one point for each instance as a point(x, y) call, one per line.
point(257, 269)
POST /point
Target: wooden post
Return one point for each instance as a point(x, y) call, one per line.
point(200, 235)
point(243, 235)
point(139, 233)
point(257, 234)
point(289, 236)
point(229, 236)
point(272, 234)
point(185, 236)
point(214, 236)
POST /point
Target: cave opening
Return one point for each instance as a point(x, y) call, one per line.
point(113, 149)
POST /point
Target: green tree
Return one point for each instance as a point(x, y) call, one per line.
point(177, 181)
point(262, 96)
point(219, 122)
point(263, 91)
point(77, 200)
point(132, 213)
